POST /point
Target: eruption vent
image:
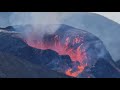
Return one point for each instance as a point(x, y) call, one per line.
point(63, 45)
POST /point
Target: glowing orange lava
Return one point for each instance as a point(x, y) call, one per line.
point(75, 74)
point(77, 54)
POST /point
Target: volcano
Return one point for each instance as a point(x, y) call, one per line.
point(68, 50)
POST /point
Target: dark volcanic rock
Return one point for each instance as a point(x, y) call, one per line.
point(13, 67)
point(9, 28)
point(104, 69)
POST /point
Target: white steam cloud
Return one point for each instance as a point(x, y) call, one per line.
point(45, 22)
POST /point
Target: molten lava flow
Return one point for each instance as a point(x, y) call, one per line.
point(77, 54)
point(75, 74)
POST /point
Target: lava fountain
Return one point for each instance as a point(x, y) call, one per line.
point(63, 44)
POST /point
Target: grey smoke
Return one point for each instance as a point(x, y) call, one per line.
point(41, 21)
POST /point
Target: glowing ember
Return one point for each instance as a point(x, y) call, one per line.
point(76, 54)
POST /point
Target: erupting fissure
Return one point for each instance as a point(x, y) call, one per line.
point(66, 48)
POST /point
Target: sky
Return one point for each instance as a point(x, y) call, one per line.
point(4, 21)
point(115, 16)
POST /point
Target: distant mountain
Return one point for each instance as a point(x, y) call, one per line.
point(104, 28)
point(95, 58)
